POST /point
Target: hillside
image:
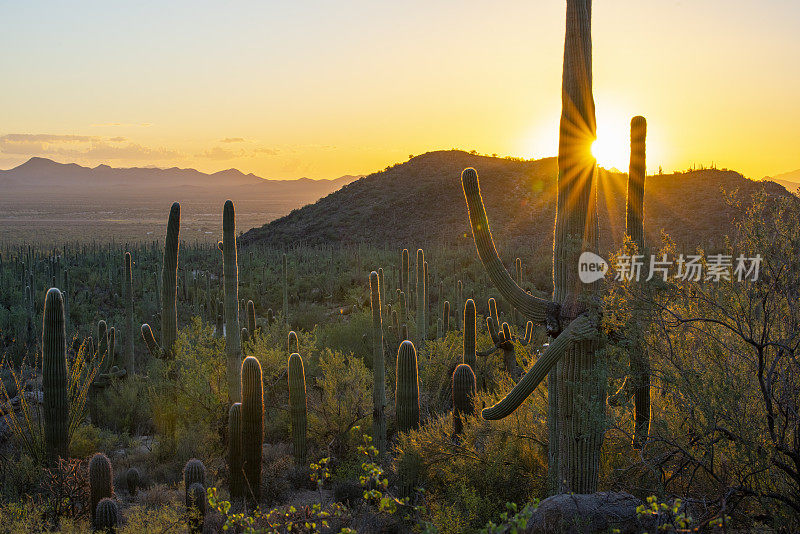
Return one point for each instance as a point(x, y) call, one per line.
point(421, 202)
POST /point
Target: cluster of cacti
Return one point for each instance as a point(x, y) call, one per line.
point(230, 272)
point(297, 407)
point(407, 392)
point(252, 427)
point(194, 485)
point(54, 378)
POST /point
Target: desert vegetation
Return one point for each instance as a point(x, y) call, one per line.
point(248, 386)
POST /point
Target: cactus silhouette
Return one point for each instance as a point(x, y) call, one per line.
point(132, 480)
point(101, 482)
point(469, 333)
point(285, 291)
point(297, 407)
point(235, 449)
point(54, 378)
point(378, 367)
point(252, 427)
point(251, 317)
point(169, 291)
point(422, 325)
point(575, 435)
point(407, 394)
point(230, 271)
point(463, 395)
point(130, 362)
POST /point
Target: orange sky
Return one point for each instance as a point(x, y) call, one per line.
point(322, 89)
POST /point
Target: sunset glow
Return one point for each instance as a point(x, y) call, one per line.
point(321, 90)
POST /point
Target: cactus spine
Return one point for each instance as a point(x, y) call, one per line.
point(575, 433)
point(463, 395)
point(297, 407)
point(130, 361)
point(235, 449)
point(252, 426)
point(169, 282)
point(469, 333)
point(54, 378)
point(230, 271)
point(407, 394)
point(101, 482)
point(378, 367)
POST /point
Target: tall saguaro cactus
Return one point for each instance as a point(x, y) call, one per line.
point(378, 367)
point(297, 407)
point(634, 228)
point(252, 427)
point(285, 291)
point(407, 394)
point(422, 325)
point(54, 377)
point(463, 389)
point(230, 272)
point(168, 291)
point(128, 284)
point(469, 333)
point(576, 391)
point(169, 281)
point(235, 449)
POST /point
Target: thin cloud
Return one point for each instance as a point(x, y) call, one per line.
point(232, 140)
point(81, 147)
point(220, 153)
point(123, 124)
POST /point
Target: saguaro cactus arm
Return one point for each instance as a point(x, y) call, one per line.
point(538, 310)
point(581, 328)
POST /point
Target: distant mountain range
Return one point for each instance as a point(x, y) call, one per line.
point(421, 202)
point(45, 179)
point(789, 180)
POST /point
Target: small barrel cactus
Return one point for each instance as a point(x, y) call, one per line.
point(196, 507)
point(297, 407)
point(101, 481)
point(194, 471)
point(132, 480)
point(235, 449)
point(407, 394)
point(252, 426)
point(54, 378)
point(106, 515)
point(463, 395)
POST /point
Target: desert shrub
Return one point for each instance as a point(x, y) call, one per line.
point(349, 334)
point(341, 399)
point(123, 406)
point(468, 480)
point(19, 476)
point(307, 315)
point(89, 439)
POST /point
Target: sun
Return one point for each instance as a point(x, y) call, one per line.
point(611, 149)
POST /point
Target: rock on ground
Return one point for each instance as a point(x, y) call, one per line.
point(588, 513)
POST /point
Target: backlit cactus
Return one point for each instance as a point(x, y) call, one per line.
point(169, 282)
point(285, 291)
point(230, 272)
point(252, 427)
point(407, 393)
point(235, 450)
point(378, 367)
point(422, 327)
point(293, 344)
point(445, 318)
point(130, 362)
point(106, 516)
point(102, 344)
point(297, 407)
point(575, 435)
point(101, 481)
point(54, 378)
point(469, 333)
point(463, 388)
